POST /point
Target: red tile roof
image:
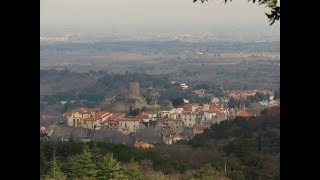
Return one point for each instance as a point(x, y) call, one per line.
point(142, 116)
point(214, 110)
point(91, 119)
point(188, 106)
point(101, 114)
point(244, 114)
point(116, 116)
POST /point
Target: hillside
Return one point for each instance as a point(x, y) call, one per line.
point(250, 147)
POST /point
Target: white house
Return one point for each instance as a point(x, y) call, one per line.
point(210, 114)
point(152, 115)
point(188, 118)
point(184, 86)
point(164, 114)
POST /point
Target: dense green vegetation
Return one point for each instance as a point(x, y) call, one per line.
point(107, 85)
point(249, 147)
point(111, 161)
point(251, 144)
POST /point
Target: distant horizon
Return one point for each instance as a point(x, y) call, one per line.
point(183, 16)
point(148, 28)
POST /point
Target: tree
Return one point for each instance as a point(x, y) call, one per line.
point(43, 162)
point(135, 112)
point(148, 99)
point(55, 171)
point(274, 14)
point(177, 101)
point(261, 97)
point(237, 175)
point(277, 94)
point(208, 172)
point(110, 168)
point(143, 109)
point(132, 170)
point(96, 153)
point(233, 103)
point(259, 141)
point(82, 165)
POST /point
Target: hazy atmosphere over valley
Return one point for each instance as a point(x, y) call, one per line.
point(159, 89)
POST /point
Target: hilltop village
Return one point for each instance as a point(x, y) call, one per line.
point(171, 124)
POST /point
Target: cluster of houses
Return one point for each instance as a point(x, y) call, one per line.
point(172, 125)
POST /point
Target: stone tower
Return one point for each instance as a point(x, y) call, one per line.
point(242, 106)
point(134, 90)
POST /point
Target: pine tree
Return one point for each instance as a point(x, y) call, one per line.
point(132, 170)
point(43, 162)
point(55, 171)
point(96, 153)
point(110, 168)
point(82, 165)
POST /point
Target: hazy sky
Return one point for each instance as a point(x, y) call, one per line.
point(59, 14)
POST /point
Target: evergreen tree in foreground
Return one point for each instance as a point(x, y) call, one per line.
point(110, 168)
point(96, 153)
point(55, 171)
point(82, 165)
point(132, 170)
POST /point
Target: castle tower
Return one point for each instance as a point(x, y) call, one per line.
point(242, 106)
point(134, 90)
